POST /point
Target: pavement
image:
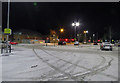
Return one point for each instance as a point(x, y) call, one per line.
point(35, 62)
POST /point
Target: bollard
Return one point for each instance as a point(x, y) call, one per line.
point(1, 50)
point(9, 48)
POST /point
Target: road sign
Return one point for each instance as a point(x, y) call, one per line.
point(7, 31)
point(74, 38)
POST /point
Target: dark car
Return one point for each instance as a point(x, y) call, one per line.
point(95, 43)
point(61, 43)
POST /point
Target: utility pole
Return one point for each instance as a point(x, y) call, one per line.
point(110, 33)
point(97, 36)
point(8, 24)
point(93, 37)
point(75, 32)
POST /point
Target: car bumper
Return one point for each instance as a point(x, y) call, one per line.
point(107, 48)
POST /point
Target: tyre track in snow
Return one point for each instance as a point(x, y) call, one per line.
point(55, 68)
point(39, 46)
point(92, 71)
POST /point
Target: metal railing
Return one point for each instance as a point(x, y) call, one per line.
point(4, 48)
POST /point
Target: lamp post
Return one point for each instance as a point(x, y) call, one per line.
point(93, 37)
point(61, 30)
point(75, 24)
point(8, 24)
point(85, 32)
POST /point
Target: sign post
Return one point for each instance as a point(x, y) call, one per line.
point(7, 31)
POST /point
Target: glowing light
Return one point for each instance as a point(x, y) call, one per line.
point(47, 38)
point(72, 39)
point(77, 24)
point(61, 30)
point(98, 40)
point(89, 40)
point(66, 39)
point(73, 24)
point(85, 31)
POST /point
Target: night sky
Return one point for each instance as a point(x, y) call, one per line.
point(43, 16)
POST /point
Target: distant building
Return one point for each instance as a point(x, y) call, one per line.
point(23, 36)
point(53, 36)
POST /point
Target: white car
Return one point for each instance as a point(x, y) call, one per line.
point(76, 43)
point(106, 46)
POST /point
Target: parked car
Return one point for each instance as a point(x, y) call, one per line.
point(13, 43)
point(84, 42)
point(76, 43)
point(95, 43)
point(61, 43)
point(106, 46)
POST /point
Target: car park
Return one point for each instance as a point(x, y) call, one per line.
point(106, 46)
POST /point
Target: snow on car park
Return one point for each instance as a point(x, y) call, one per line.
point(48, 63)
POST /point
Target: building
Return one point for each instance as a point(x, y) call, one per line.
point(53, 36)
point(23, 36)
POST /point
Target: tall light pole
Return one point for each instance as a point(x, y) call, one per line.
point(110, 33)
point(85, 32)
point(8, 17)
point(93, 37)
point(75, 24)
point(62, 30)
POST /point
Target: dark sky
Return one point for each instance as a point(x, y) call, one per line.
point(94, 17)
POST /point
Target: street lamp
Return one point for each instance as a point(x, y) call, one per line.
point(93, 37)
point(8, 17)
point(75, 24)
point(85, 32)
point(61, 30)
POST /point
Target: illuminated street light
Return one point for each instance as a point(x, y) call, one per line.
point(85, 35)
point(61, 30)
point(8, 17)
point(85, 31)
point(73, 24)
point(76, 24)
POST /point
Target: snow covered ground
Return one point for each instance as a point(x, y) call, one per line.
point(60, 63)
